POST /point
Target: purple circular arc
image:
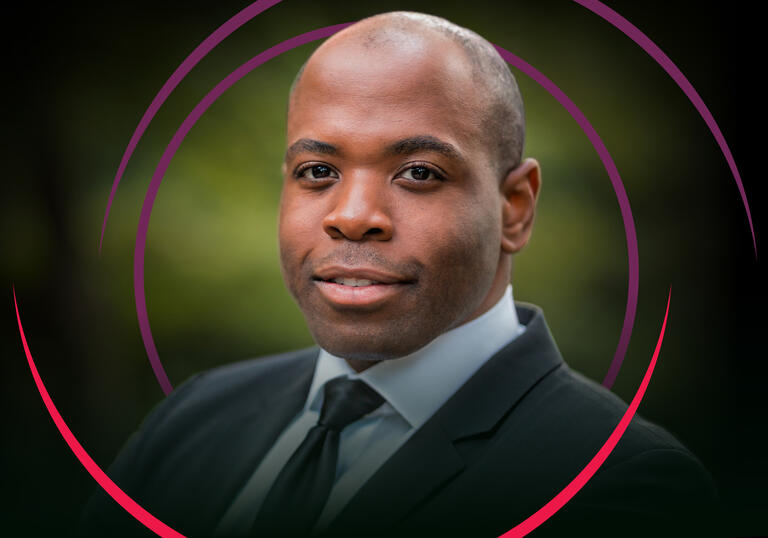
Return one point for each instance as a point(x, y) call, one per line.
point(165, 161)
point(653, 50)
point(257, 7)
point(250, 65)
point(208, 44)
point(621, 195)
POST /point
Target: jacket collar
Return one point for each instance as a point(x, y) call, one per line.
point(418, 384)
point(429, 458)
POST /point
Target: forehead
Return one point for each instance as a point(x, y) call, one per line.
point(414, 85)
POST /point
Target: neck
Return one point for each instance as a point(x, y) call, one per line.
point(498, 287)
point(359, 365)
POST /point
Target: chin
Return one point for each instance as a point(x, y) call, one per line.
point(366, 345)
point(365, 351)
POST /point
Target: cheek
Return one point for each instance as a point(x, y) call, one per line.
point(470, 225)
point(296, 235)
point(462, 246)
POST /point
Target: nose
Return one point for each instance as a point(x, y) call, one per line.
point(359, 211)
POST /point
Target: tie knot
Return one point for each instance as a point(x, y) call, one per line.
point(345, 401)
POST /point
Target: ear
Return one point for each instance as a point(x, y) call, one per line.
point(519, 191)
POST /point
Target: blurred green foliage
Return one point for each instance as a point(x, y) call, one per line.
point(213, 285)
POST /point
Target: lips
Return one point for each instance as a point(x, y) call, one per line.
point(341, 273)
point(354, 282)
point(359, 286)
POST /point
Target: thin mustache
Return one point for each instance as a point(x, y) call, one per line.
point(358, 257)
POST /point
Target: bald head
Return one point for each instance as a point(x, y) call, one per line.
point(402, 165)
point(470, 63)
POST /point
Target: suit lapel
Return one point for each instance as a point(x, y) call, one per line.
point(245, 439)
point(503, 380)
point(429, 459)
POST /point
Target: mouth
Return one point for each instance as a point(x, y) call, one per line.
point(354, 282)
point(358, 287)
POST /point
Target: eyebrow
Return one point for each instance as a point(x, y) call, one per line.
point(311, 146)
point(415, 144)
point(405, 146)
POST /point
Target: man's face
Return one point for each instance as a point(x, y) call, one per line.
point(387, 179)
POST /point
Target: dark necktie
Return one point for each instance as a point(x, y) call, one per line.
point(300, 491)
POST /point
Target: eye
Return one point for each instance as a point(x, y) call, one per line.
point(420, 173)
point(316, 171)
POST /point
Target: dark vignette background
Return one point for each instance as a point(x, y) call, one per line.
point(78, 78)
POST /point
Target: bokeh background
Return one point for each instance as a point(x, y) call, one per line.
point(79, 77)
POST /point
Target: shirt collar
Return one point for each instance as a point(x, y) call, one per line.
point(418, 384)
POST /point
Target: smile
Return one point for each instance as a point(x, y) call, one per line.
point(361, 287)
point(353, 292)
point(354, 282)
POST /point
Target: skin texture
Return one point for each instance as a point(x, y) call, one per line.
point(404, 182)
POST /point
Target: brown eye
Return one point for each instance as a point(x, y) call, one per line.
point(318, 171)
point(420, 173)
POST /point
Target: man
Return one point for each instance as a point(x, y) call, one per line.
point(434, 405)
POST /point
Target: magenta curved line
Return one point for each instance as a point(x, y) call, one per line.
point(634, 33)
point(621, 195)
point(610, 16)
point(221, 33)
point(165, 160)
point(523, 528)
point(114, 491)
point(557, 502)
point(237, 74)
point(598, 8)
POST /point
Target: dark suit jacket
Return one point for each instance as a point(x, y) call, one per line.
point(509, 440)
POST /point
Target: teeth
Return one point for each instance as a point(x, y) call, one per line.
point(355, 282)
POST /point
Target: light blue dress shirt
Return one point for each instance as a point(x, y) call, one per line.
point(414, 387)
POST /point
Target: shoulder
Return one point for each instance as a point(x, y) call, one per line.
point(591, 410)
point(583, 414)
point(556, 417)
point(191, 440)
point(211, 401)
point(257, 380)
point(649, 477)
point(246, 374)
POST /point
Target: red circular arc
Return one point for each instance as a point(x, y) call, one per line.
point(523, 528)
point(230, 26)
point(114, 491)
